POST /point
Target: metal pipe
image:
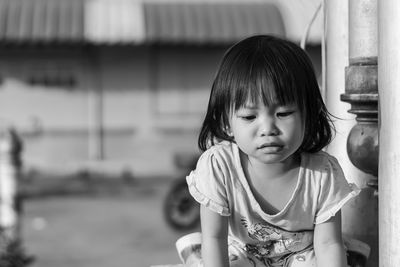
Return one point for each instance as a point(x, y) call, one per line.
point(360, 216)
point(363, 29)
point(361, 91)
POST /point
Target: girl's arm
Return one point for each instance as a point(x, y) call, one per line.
point(214, 229)
point(328, 243)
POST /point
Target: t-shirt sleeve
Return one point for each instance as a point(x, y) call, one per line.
point(207, 184)
point(335, 191)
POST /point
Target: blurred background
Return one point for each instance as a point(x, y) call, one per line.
point(106, 98)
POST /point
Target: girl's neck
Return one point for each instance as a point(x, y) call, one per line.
point(272, 170)
point(272, 185)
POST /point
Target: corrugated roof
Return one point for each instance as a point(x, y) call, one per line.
point(210, 22)
point(127, 21)
point(39, 21)
point(116, 21)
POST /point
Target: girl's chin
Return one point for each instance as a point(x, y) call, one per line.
point(273, 158)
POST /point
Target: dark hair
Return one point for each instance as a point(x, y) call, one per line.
point(275, 70)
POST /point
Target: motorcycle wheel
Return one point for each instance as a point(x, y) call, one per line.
point(181, 211)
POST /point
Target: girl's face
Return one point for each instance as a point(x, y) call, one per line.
point(267, 134)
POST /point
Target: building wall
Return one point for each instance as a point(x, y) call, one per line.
point(153, 101)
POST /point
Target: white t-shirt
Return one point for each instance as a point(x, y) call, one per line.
point(219, 183)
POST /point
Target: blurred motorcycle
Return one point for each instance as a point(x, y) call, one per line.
point(181, 211)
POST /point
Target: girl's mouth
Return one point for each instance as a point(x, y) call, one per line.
point(270, 145)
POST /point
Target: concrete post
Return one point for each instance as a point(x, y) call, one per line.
point(10, 164)
point(96, 107)
point(389, 132)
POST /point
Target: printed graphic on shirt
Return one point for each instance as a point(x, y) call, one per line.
point(273, 241)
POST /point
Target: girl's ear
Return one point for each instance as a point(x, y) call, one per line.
point(228, 131)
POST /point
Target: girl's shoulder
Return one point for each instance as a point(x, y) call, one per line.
point(223, 153)
point(320, 161)
point(221, 148)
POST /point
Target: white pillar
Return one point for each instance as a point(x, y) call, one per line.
point(389, 132)
point(337, 58)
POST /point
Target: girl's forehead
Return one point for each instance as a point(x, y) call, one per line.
point(262, 91)
point(252, 103)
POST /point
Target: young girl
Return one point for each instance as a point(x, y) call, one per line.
point(269, 196)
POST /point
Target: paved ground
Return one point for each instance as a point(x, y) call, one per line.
point(113, 229)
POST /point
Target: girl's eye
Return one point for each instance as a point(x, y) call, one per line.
point(248, 117)
point(284, 114)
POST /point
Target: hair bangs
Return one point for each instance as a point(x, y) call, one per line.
point(259, 80)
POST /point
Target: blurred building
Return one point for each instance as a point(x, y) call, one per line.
point(123, 84)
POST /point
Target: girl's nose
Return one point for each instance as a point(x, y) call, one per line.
point(269, 128)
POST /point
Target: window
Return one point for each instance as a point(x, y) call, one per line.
point(51, 75)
